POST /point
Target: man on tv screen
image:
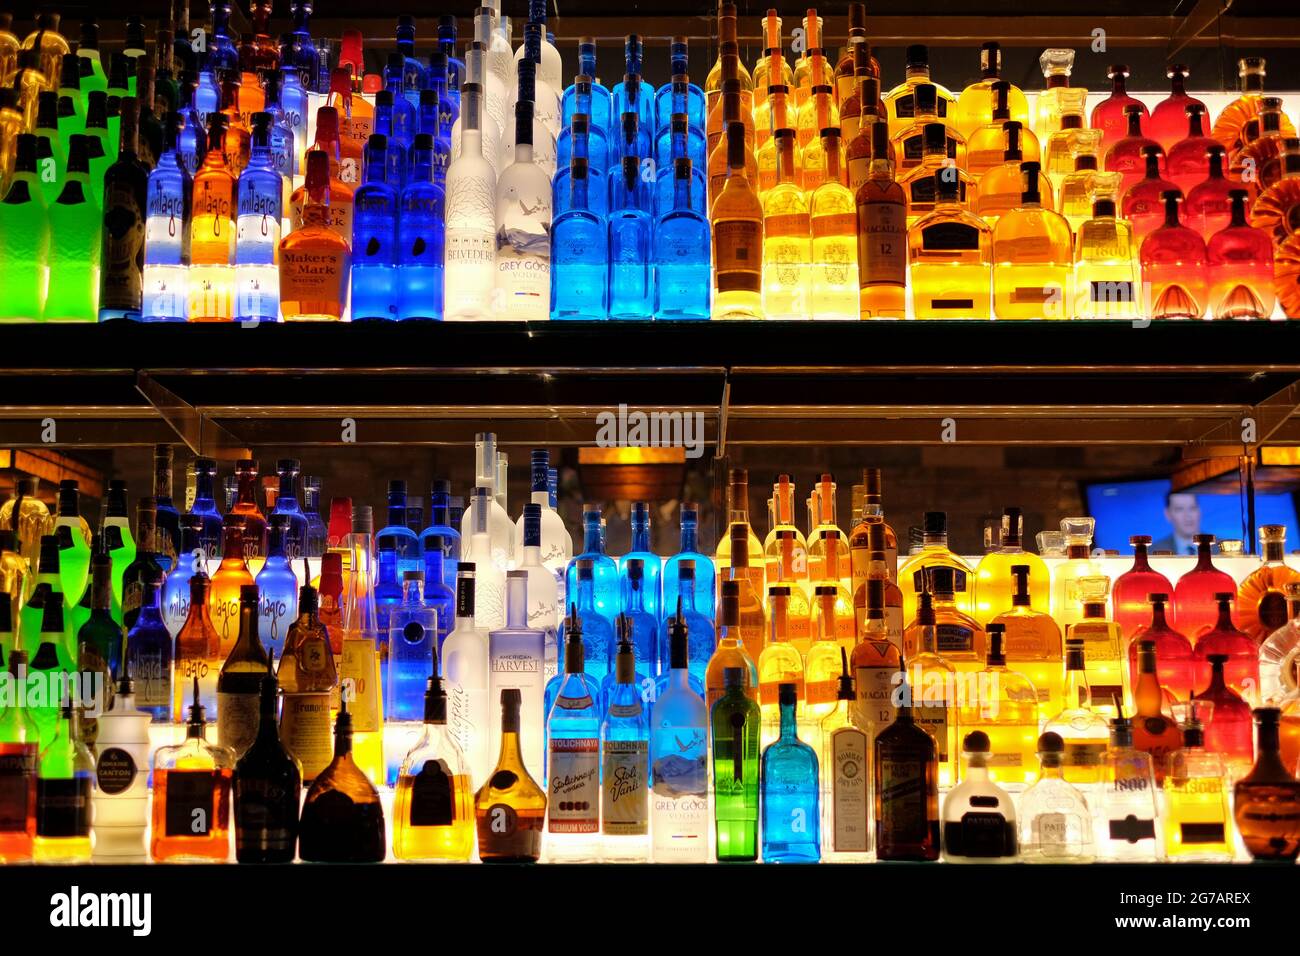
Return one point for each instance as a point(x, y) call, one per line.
point(1184, 515)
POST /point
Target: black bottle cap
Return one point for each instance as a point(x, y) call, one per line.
point(580, 124)
point(918, 54)
point(845, 684)
point(997, 655)
point(79, 153)
point(1051, 743)
point(248, 594)
point(429, 97)
point(976, 742)
point(6, 613)
point(52, 617)
point(936, 522)
point(934, 138)
point(70, 72)
point(1121, 731)
point(942, 580)
point(396, 61)
point(926, 97)
point(47, 109)
point(733, 677)
point(49, 559)
point(574, 652)
point(788, 695)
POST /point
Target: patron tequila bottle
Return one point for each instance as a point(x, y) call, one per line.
point(1056, 824)
point(979, 819)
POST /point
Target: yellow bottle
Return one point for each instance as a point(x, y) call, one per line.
point(1005, 706)
point(1105, 656)
point(767, 155)
point(875, 661)
point(821, 668)
point(1067, 599)
point(798, 608)
point(934, 553)
point(787, 237)
point(738, 514)
point(919, 183)
point(823, 124)
point(1032, 256)
point(1001, 187)
point(1082, 728)
point(986, 145)
point(818, 111)
point(1073, 136)
point(900, 106)
point(995, 583)
point(766, 119)
point(807, 76)
point(730, 69)
point(978, 99)
point(736, 217)
point(772, 68)
point(1056, 65)
point(749, 579)
point(726, 34)
point(1107, 282)
point(950, 251)
point(731, 108)
point(958, 636)
point(1074, 191)
point(909, 144)
point(874, 565)
point(833, 575)
point(730, 650)
point(780, 662)
point(935, 691)
point(1032, 642)
point(834, 219)
point(783, 520)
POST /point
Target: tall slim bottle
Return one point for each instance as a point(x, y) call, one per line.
point(736, 721)
point(517, 659)
point(257, 236)
point(523, 216)
point(882, 234)
point(239, 683)
point(126, 185)
point(465, 669)
point(679, 763)
point(736, 220)
point(420, 238)
point(25, 234)
point(359, 667)
point(74, 242)
point(469, 274)
point(167, 231)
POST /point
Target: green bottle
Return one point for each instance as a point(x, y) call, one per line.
point(24, 238)
point(75, 223)
point(118, 540)
point(47, 588)
point(736, 722)
point(93, 76)
point(126, 184)
point(8, 633)
point(51, 659)
point(100, 639)
point(72, 102)
point(98, 148)
point(51, 160)
point(120, 76)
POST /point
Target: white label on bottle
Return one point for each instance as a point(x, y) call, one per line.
point(680, 797)
point(850, 830)
point(237, 718)
point(1050, 829)
point(875, 687)
point(573, 791)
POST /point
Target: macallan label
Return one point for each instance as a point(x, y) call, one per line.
point(874, 687)
point(573, 787)
point(625, 799)
point(882, 243)
point(850, 832)
point(738, 255)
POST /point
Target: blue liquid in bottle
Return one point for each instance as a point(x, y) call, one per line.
point(595, 99)
point(420, 235)
point(257, 239)
point(682, 254)
point(374, 238)
point(579, 250)
point(631, 285)
point(167, 232)
point(681, 95)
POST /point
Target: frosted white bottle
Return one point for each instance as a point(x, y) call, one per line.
point(516, 658)
point(500, 529)
point(469, 271)
point(121, 800)
point(465, 670)
point(523, 261)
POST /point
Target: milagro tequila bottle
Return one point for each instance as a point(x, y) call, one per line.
point(257, 230)
point(679, 807)
point(277, 586)
point(465, 669)
point(167, 232)
point(470, 228)
point(517, 659)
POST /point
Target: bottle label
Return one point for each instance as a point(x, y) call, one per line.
point(166, 235)
point(680, 795)
point(238, 716)
point(932, 716)
point(359, 672)
point(950, 237)
point(837, 224)
point(850, 831)
point(1084, 754)
point(875, 687)
point(151, 674)
point(1131, 829)
point(312, 275)
point(63, 806)
point(1052, 829)
point(190, 802)
point(433, 795)
point(1272, 611)
point(953, 638)
point(115, 771)
point(305, 731)
point(625, 800)
point(904, 812)
point(738, 255)
point(123, 249)
point(17, 776)
point(882, 243)
point(573, 798)
point(983, 834)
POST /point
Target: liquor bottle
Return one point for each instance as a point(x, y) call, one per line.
point(736, 221)
point(935, 706)
point(999, 188)
point(1240, 261)
point(191, 798)
point(1125, 154)
point(875, 660)
point(358, 665)
point(212, 230)
point(465, 668)
point(735, 721)
point(168, 225)
point(99, 640)
point(337, 185)
point(900, 103)
point(301, 51)
point(845, 757)
point(1208, 208)
point(730, 109)
point(732, 649)
point(420, 238)
point(1103, 642)
point(997, 582)
point(987, 140)
point(278, 586)
point(582, 138)
point(681, 249)
point(192, 141)
point(1055, 822)
point(1232, 124)
point(53, 662)
point(1272, 205)
point(246, 508)
point(1109, 115)
point(1175, 664)
point(1242, 668)
point(491, 612)
point(1152, 732)
point(1187, 162)
point(1079, 563)
point(1056, 65)
point(65, 784)
point(670, 97)
point(950, 251)
point(267, 784)
point(374, 237)
point(787, 239)
point(231, 576)
point(523, 215)
point(121, 798)
point(573, 758)
point(798, 610)
point(1033, 251)
point(1168, 122)
point(517, 657)
point(816, 114)
point(982, 97)
point(1195, 607)
point(630, 272)
point(239, 682)
point(934, 553)
point(624, 766)
point(1062, 145)
point(1079, 724)
point(1077, 190)
point(308, 679)
point(862, 560)
point(257, 241)
point(314, 257)
point(700, 625)
point(1196, 794)
point(470, 226)
point(125, 202)
point(829, 559)
point(1033, 641)
point(846, 70)
point(833, 277)
point(74, 543)
point(1261, 601)
point(1133, 586)
point(412, 636)
point(785, 543)
point(1142, 205)
point(342, 818)
point(1007, 713)
point(74, 242)
point(701, 569)
point(604, 569)
point(440, 526)
point(46, 589)
point(791, 792)
point(642, 627)
point(905, 788)
point(510, 807)
point(204, 508)
point(1265, 800)
point(25, 232)
point(781, 660)
point(149, 653)
point(979, 819)
point(544, 124)
point(19, 739)
point(167, 540)
point(882, 234)
point(1228, 726)
point(749, 580)
point(198, 650)
point(1127, 799)
point(907, 143)
point(1174, 256)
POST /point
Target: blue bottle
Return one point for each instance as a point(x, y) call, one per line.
point(633, 141)
point(682, 251)
point(448, 111)
point(681, 95)
point(579, 252)
point(651, 563)
point(406, 545)
point(257, 238)
point(207, 93)
point(293, 101)
point(374, 235)
point(634, 94)
point(277, 590)
point(412, 70)
point(675, 141)
point(701, 569)
point(397, 154)
point(455, 66)
point(625, 758)
point(405, 103)
point(604, 568)
point(204, 509)
point(636, 626)
point(421, 240)
point(176, 586)
point(222, 53)
point(440, 526)
point(149, 656)
point(302, 54)
point(411, 637)
point(702, 638)
point(317, 532)
point(577, 139)
point(791, 811)
point(388, 584)
point(193, 142)
point(286, 504)
point(600, 105)
point(167, 232)
point(631, 273)
point(438, 595)
point(284, 152)
point(580, 137)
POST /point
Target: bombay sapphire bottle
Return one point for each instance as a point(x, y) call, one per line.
point(412, 70)
point(438, 596)
point(702, 571)
point(674, 143)
point(578, 143)
point(638, 626)
point(205, 507)
point(406, 546)
point(374, 237)
point(302, 53)
point(598, 632)
point(193, 141)
point(277, 589)
point(791, 816)
point(681, 95)
point(702, 635)
point(455, 66)
point(257, 240)
point(176, 586)
point(420, 238)
point(579, 252)
point(682, 252)
point(631, 286)
point(599, 104)
point(604, 568)
point(440, 527)
point(411, 634)
point(286, 503)
point(167, 232)
point(317, 532)
point(634, 95)
point(651, 563)
point(583, 124)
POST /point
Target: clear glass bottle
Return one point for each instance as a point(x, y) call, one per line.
point(1081, 727)
point(121, 796)
point(517, 660)
point(191, 795)
point(1057, 65)
point(1066, 604)
point(1127, 803)
point(679, 762)
point(1056, 824)
point(845, 763)
point(791, 791)
point(1004, 708)
point(1196, 794)
point(465, 670)
point(1261, 600)
point(951, 256)
point(625, 765)
point(573, 761)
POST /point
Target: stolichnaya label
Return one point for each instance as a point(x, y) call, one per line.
point(850, 832)
point(625, 806)
point(573, 785)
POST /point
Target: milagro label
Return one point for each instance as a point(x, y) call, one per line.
point(573, 792)
point(850, 832)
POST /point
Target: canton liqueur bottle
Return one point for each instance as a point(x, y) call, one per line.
point(126, 186)
point(342, 818)
point(267, 784)
point(510, 808)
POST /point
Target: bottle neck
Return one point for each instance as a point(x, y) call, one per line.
point(789, 726)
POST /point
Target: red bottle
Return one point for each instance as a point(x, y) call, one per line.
point(1208, 208)
point(1169, 119)
point(1196, 605)
point(1153, 732)
point(1130, 591)
point(1173, 267)
point(1240, 259)
point(1125, 155)
point(1242, 669)
point(1109, 115)
point(1142, 203)
point(1230, 730)
point(1187, 162)
point(1174, 661)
